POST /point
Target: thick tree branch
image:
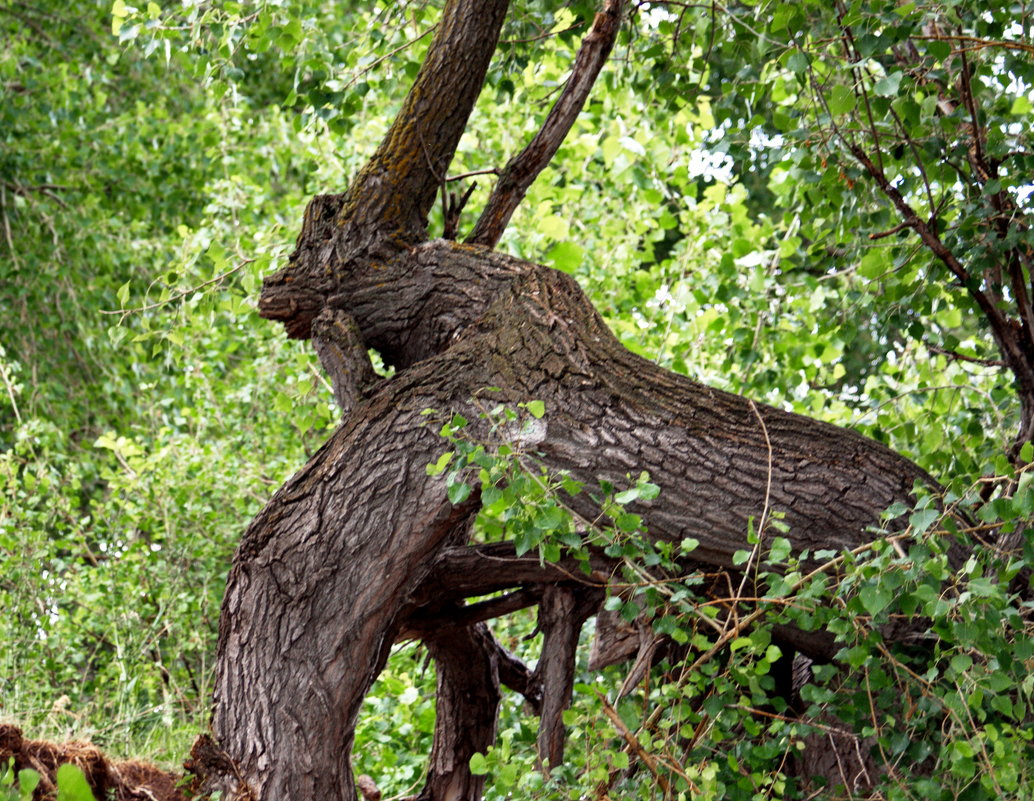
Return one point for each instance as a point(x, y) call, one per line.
point(432, 618)
point(385, 208)
point(403, 175)
point(523, 168)
point(467, 662)
point(339, 346)
point(516, 675)
point(467, 571)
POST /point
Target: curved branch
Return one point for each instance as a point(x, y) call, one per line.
point(525, 167)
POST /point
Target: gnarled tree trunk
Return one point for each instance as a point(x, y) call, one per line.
point(362, 545)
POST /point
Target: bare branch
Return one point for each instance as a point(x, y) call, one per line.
point(963, 357)
point(890, 231)
point(525, 167)
point(979, 44)
point(470, 615)
point(487, 171)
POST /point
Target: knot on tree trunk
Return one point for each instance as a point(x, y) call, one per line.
point(213, 770)
point(295, 294)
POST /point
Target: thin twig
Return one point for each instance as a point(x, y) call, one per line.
point(10, 391)
point(541, 36)
point(890, 232)
point(7, 226)
point(756, 552)
point(645, 757)
point(486, 171)
point(963, 357)
point(178, 295)
point(400, 48)
point(980, 43)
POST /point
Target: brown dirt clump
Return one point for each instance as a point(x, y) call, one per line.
point(122, 781)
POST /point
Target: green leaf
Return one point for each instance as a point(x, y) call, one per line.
point(1021, 106)
point(647, 490)
point(549, 518)
point(28, 780)
point(458, 492)
point(887, 86)
point(780, 549)
point(1027, 452)
point(841, 100)
point(628, 522)
point(566, 256)
point(874, 263)
point(875, 598)
point(537, 408)
point(923, 519)
point(626, 497)
point(478, 765)
point(432, 469)
point(72, 784)
point(797, 61)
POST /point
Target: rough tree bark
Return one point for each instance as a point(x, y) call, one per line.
point(362, 546)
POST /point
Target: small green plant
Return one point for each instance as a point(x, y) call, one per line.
point(71, 784)
point(17, 787)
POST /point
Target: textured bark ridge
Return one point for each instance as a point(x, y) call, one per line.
point(362, 547)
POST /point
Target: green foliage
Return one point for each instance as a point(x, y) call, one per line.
point(522, 501)
point(155, 160)
point(397, 724)
point(943, 716)
point(18, 787)
point(134, 445)
point(71, 784)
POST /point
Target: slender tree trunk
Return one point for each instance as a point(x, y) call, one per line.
point(468, 700)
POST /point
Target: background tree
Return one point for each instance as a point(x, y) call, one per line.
point(651, 289)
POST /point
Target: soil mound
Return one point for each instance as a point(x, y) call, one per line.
point(122, 781)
